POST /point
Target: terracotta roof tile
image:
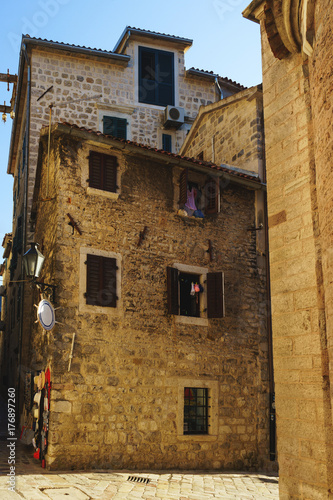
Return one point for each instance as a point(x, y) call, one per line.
point(207, 164)
point(64, 44)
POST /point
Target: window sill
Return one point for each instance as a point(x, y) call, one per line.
point(100, 192)
point(197, 437)
point(191, 320)
point(111, 311)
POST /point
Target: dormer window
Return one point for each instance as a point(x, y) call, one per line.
point(156, 77)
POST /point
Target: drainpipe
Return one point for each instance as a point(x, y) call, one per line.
point(219, 88)
point(24, 222)
point(272, 416)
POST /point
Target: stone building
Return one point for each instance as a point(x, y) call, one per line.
point(140, 91)
point(147, 353)
point(160, 357)
point(297, 61)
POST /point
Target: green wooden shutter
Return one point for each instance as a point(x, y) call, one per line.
point(165, 78)
point(121, 128)
point(172, 290)
point(215, 295)
point(108, 125)
point(117, 127)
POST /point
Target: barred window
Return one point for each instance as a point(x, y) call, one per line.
point(195, 410)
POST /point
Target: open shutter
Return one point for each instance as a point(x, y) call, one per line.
point(215, 295)
point(110, 173)
point(183, 187)
point(212, 196)
point(95, 168)
point(172, 285)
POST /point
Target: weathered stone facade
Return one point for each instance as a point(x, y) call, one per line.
point(121, 403)
point(230, 132)
point(57, 81)
point(297, 87)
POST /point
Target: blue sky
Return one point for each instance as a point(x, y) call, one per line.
point(223, 42)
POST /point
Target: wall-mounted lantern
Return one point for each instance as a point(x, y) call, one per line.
point(33, 261)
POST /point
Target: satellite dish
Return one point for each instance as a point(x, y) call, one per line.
point(45, 314)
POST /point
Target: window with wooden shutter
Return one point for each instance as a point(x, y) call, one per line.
point(172, 287)
point(101, 281)
point(215, 295)
point(117, 127)
point(156, 77)
point(212, 196)
point(103, 171)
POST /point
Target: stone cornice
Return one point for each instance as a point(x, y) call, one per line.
point(288, 24)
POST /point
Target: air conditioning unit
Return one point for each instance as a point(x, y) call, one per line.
point(173, 117)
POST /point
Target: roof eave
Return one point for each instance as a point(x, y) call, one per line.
point(120, 58)
point(128, 31)
point(251, 182)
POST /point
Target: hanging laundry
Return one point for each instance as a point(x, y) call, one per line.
point(191, 196)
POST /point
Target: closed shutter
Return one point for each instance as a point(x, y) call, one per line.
point(172, 286)
point(183, 187)
point(101, 281)
point(95, 167)
point(156, 77)
point(121, 131)
point(110, 174)
point(165, 81)
point(103, 172)
point(94, 279)
point(212, 196)
point(147, 76)
point(117, 127)
point(215, 295)
point(109, 292)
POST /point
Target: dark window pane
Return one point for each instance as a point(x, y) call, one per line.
point(156, 77)
point(195, 411)
point(189, 302)
point(166, 142)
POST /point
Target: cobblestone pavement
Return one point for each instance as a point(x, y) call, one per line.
point(34, 483)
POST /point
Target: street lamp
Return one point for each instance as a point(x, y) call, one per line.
point(33, 261)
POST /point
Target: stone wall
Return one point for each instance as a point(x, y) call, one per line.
point(298, 113)
point(120, 405)
point(230, 131)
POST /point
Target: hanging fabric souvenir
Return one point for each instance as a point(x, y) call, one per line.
point(192, 290)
